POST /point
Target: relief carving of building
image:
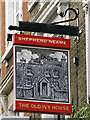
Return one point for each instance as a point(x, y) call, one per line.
point(43, 78)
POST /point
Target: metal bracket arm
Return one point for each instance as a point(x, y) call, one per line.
point(46, 28)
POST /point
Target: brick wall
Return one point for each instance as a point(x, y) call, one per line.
point(2, 22)
point(26, 14)
point(78, 49)
point(0, 42)
point(2, 28)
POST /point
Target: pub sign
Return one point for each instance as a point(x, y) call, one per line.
point(41, 74)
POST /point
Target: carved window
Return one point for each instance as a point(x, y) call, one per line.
point(28, 93)
point(47, 73)
point(56, 73)
point(19, 93)
point(44, 89)
point(28, 82)
point(29, 72)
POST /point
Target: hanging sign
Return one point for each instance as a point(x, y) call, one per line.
point(41, 78)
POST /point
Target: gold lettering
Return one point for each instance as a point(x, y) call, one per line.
point(53, 107)
point(60, 108)
point(35, 106)
point(31, 105)
point(23, 105)
point(39, 106)
point(20, 104)
point(48, 107)
point(44, 107)
point(27, 105)
point(56, 107)
point(64, 108)
point(67, 108)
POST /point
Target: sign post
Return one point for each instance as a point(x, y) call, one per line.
point(41, 74)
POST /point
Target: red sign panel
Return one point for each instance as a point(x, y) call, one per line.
point(41, 106)
point(41, 41)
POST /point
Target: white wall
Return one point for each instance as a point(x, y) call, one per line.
point(89, 53)
point(87, 18)
point(10, 19)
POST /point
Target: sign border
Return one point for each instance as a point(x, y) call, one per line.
point(60, 103)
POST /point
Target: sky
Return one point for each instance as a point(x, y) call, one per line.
point(27, 54)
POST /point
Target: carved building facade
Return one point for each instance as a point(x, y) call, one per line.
point(43, 78)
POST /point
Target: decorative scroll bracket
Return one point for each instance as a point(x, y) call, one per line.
point(64, 14)
point(49, 28)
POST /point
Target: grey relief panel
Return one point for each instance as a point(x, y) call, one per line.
point(41, 74)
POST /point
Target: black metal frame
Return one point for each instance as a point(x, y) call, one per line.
point(49, 28)
point(46, 28)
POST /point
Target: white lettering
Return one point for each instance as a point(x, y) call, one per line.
point(26, 39)
point(38, 40)
point(57, 42)
point(19, 38)
point(61, 42)
point(50, 41)
point(34, 40)
point(42, 40)
point(64, 42)
point(30, 39)
point(45, 41)
point(23, 38)
point(53, 41)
